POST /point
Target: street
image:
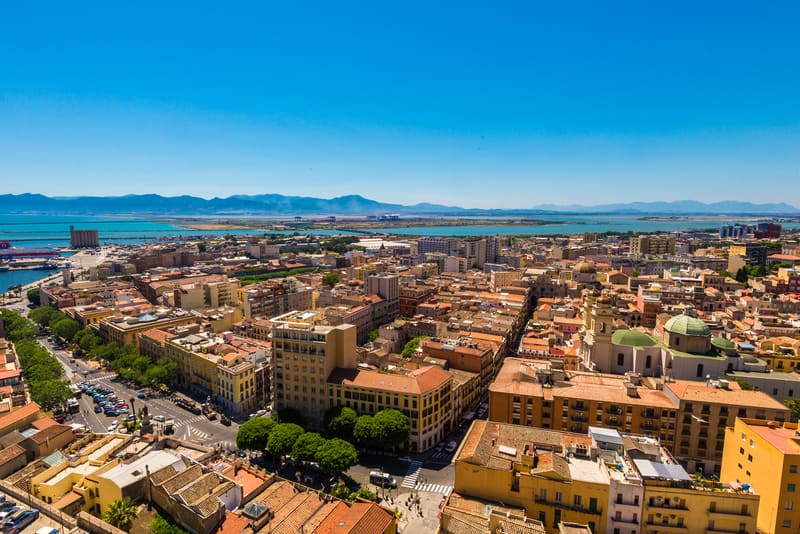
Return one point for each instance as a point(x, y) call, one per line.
point(188, 426)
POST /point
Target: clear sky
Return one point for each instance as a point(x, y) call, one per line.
point(478, 104)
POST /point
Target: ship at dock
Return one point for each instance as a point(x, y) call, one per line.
point(13, 258)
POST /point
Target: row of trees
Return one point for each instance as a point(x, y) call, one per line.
point(387, 429)
point(124, 360)
point(268, 435)
point(42, 371)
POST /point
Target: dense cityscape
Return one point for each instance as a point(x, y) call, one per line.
point(618, 383)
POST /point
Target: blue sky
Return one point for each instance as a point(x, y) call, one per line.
point(478, 104)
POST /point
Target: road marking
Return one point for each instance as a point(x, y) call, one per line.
point(410, 478)
point(435, 488)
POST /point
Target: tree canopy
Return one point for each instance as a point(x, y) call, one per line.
point(282, 438)
point(330, 279)
point(253, 434)
point(288, 415)
point(339, 422)
point(306, 446)
point(363, 431)
point(121, 513)
point(411, 347)
point(390, 428)
point(336, 455)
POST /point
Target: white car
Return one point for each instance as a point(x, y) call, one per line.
point(10, 511)
point(113, 426)
point(159, 418)
point(452, 446)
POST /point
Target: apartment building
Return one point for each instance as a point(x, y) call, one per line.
point(687, 417)
point(610, 482)
point(652, 245)
point(125, 329)
point(705, 410)
point(424, 395)
point(766, 456)
point(271, 298)
point(304, 355)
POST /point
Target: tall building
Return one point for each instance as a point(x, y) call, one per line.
point(751, 252)
point(766, 456)
point(83, 238)
point(443, 245)
point(387, 286)
point(304, 353)
point(652, 245)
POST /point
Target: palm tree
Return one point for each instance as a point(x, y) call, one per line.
point(121, 513)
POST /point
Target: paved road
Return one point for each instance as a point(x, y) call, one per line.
point(188, 426)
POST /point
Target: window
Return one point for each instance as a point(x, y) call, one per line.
point(543, 494)
point(620, 359)
point(648, 362)
point(576, 500)
point(790, 488)
point(793, 468)
point(789, 505)
point(699, 370)
point(558, 496)
point(786, 523)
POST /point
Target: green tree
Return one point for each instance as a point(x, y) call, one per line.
point(374, 334)
point(121, 513)
point(363, 431)
point(288, 415)
point(411, 347)
point(742, 275)
point(34, 296)
point(336, 455)
point(635, 273)
point(50, 393)
point(282, 438)
point(339, 422)
point(305, 448)
point(162, 525)
point(253, 434)
point(66, 328)
point(44, 315)
point(794, 408)
point(330, 279)
point(390, 428)
point(202, 247)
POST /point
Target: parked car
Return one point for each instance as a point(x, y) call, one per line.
point(113, 426)
point(5, 505)
point(8, 512)
point(97, 408)
point(16, 524)
point(159, 418)
point(451, 447)
point(141, 395)
point(225, 420)
point(47, 530)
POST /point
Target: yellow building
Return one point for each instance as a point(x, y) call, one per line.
point(612, 482)
point(424, 395)
point(525, 468)
point(304, 353)
point(236, 383)
point(124, 330)
point(197, 364)
point(766, 455)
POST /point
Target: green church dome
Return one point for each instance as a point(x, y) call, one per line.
point(632, 338)
point(723, 343)
point(688, 326)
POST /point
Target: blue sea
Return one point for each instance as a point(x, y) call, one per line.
point(34, 231)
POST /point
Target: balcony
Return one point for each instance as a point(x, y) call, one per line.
point(718, 530)
point(668, 505)
point(649, 415)
point(666, 527)
point(729, 513)
point(564, 506)
point(622, 520)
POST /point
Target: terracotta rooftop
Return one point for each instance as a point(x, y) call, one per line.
point(420, 381)
point(735, 396)
point(20, 414)
point(10, 452)
point(784, 439)
point(359, 518)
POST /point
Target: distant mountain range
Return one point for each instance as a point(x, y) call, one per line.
point(272, 204)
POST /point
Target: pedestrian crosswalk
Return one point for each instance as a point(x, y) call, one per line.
point(440, 455)
point(410, 478)
point(435, 488)
point(229, 446)
point(199, 433)
point(189, 421)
